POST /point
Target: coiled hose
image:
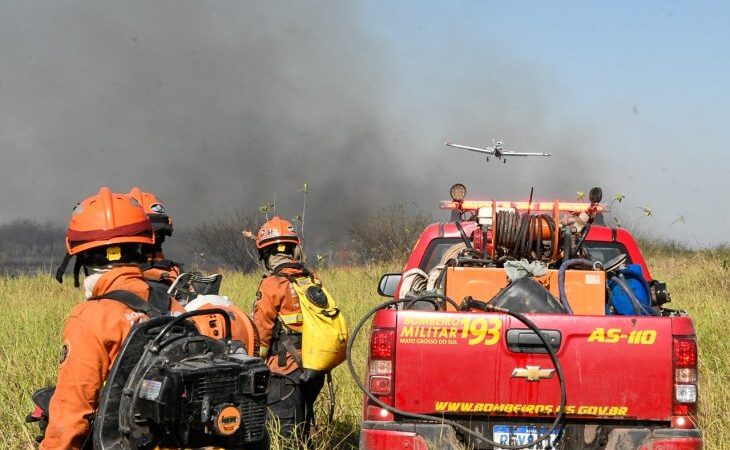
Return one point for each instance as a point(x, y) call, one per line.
point(434, 298)
point(521, 236)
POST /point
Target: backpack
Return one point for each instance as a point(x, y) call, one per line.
point(323, 340)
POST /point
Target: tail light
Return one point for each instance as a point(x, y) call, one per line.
point(684, 407)
point(380, 374)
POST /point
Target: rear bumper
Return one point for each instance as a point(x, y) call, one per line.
point(422, 436)
point(405, 435)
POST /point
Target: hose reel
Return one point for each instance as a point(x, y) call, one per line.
point(528, 236)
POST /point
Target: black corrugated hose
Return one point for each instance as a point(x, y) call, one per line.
point(520, 236)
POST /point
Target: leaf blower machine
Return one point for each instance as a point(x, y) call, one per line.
point(171, 387)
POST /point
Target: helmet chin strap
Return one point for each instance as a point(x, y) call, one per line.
point(62, 269)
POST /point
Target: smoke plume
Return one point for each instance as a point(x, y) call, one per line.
point(218, 106)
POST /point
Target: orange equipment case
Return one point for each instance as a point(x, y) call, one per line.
point(585, 289)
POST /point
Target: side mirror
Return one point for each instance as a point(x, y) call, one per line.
point(388, 284)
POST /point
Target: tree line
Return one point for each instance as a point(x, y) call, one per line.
point(386, 235)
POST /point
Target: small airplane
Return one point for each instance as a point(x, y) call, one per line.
point(495, 151)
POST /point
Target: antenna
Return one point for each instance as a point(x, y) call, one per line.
point(529, 204)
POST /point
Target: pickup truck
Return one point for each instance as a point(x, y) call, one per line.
point(630, 380)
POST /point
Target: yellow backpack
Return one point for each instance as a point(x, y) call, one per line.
point(324, 330)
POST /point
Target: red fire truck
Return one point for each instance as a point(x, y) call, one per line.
point(459, 366)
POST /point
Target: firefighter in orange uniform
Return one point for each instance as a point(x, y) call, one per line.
point(159, 269)
point(106, 234)
point(277, 312)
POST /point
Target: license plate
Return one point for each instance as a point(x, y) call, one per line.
point(523, 434)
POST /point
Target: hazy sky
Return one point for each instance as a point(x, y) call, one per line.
point(218, 105)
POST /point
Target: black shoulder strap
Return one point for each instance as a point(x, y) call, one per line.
point(162, 264)
point(291, 348)
point(160, 299)
point(157, 305)
point(297, 266)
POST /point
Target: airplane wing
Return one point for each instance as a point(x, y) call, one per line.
point(524, 154)
point(486, 151)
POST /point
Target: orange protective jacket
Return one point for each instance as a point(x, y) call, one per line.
point(93, 336)
point(276, 298)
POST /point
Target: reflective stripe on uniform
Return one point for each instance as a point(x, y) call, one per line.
point(289, 319)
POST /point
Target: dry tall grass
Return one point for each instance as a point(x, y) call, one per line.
point(700, 283)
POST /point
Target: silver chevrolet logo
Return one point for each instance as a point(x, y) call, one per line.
point(532, 373)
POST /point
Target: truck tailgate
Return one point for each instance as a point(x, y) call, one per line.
point(615, 367)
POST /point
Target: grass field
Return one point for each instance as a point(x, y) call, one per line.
point(33, 310)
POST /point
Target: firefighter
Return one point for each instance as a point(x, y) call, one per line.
point(278, 315)
point(106, 234)
point(158, 269)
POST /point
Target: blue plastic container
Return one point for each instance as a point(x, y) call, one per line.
point(622, 304)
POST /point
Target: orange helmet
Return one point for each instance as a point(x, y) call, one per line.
point(155, 210)
point(102, 220)
point(107, 218)
point(276, 231)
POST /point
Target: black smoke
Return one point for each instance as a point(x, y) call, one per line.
point(222, 106)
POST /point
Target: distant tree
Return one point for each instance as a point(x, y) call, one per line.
point(220, 242)
point(390, 233)
point(29, 246)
